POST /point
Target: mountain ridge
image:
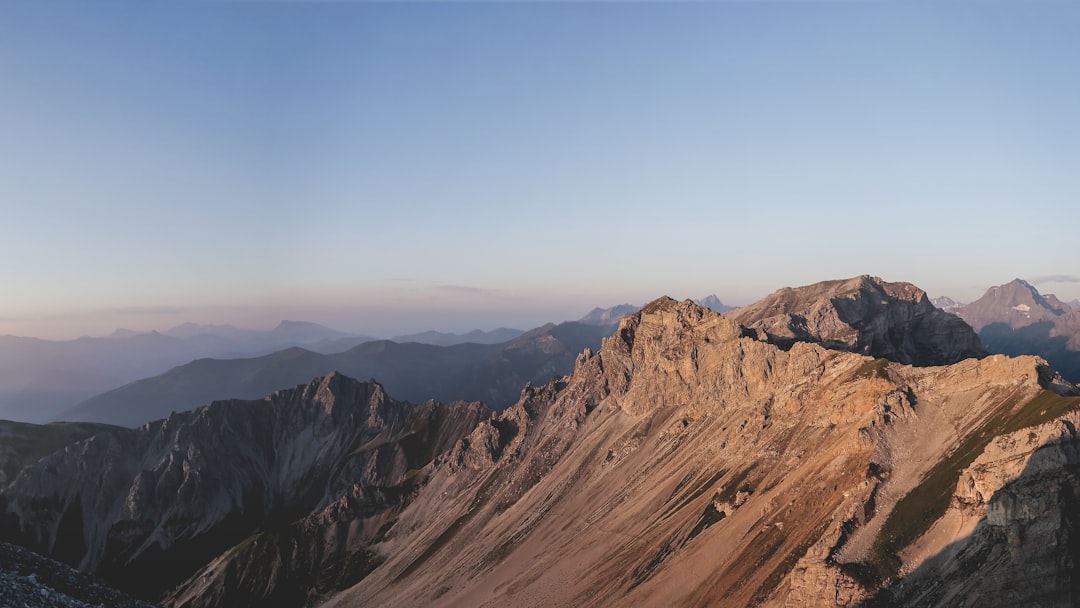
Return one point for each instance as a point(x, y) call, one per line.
point(689, 460)
point(493, 373)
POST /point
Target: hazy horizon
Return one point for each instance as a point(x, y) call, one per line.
point(387, 168)
point(381, 324)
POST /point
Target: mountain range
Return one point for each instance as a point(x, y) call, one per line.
point(476, 336)
point(493, 373)
point(843, 443)
point(40, 378)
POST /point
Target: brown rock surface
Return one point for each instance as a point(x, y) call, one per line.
point(864, 315)
point(688, 465)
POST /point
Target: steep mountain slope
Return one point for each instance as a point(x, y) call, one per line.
point(688, 465)
point(21, 443)
point(1015, 319)
point(146, 507)
point(417, 372)
point(864, 315)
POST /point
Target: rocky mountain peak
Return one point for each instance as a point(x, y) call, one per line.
point(608, 316)
point(713, 303)
point(865, 315)
point(336, 391)
point(1015, 319)
point(1016, 303)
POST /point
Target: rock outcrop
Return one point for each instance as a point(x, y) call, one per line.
point(865, 315)
point(29, 580)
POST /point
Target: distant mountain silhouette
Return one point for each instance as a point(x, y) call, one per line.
point(476, 336)
point(1015, 319)
point(492, 373)
point(946, 303)
point(713, 303)
point(608, 316)
point(40, 378)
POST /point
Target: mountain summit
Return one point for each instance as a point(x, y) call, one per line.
point(865, 315)
point(1015, 319)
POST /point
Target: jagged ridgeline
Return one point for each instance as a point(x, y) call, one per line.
point(843, 443)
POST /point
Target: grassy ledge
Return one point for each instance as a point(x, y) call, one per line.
point(927, 502)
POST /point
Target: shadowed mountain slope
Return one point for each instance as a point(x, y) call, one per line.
point(145, 507)
point(493, 373)
point(22, 443)
point(41, 378)
point(1015, 319)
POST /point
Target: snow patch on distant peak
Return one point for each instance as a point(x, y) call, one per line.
point(1022, 307)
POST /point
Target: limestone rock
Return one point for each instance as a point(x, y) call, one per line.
point(866, 315)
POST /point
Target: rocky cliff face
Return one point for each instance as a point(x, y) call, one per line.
point(1015, 319)
point(865, 315)
point(145, 507)
point(22, 444)
point(686, 464)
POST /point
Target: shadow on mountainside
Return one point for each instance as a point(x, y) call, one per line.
point(1034, 339)
point(1023, 552)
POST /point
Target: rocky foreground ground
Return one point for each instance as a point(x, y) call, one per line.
point(28, 580)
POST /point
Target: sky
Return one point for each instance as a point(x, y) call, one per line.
point(384, 167)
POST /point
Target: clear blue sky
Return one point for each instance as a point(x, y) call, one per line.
point(384, 167)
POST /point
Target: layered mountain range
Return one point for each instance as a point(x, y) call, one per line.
point(493, 373)
point(843, 444)
point(41, 378)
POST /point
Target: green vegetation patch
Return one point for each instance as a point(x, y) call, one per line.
point(927, 502)
point(874, 368)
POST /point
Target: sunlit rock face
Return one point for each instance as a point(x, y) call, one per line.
point(693, 462)
point(866, 315)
